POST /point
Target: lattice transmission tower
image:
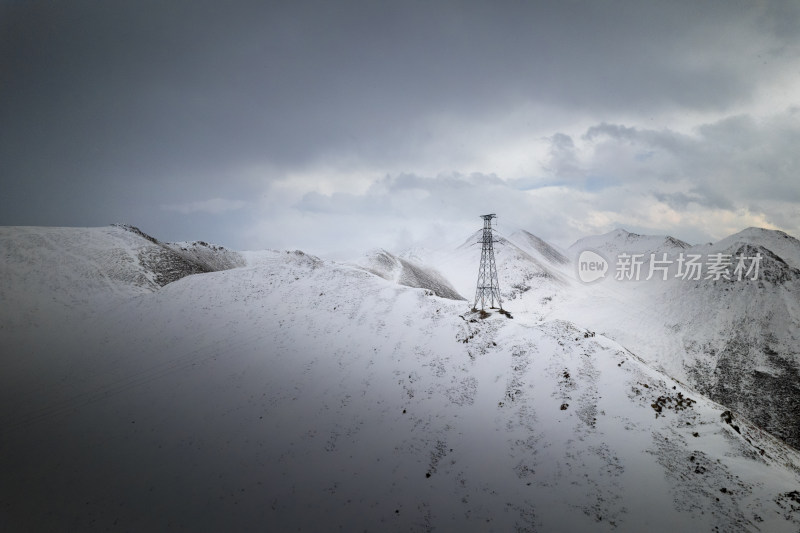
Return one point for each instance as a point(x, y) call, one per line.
point(488, 288)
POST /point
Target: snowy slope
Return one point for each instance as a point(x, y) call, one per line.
point(734, 340)
point(73, 266)
point(297, 393)
point(47, 268)
point(408, 273)
point(536, 246)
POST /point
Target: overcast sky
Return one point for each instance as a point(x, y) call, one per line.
point(349, 125)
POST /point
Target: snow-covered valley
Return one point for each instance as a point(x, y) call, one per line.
point(277, 391)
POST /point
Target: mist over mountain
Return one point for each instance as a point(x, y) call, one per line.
point(152, 385)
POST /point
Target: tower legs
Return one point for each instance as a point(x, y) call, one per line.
point(488, 288)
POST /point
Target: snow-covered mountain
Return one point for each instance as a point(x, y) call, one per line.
point(732, 339)
point(294, 393)
point(741, 337)
point(619, 240)
point(45, 269)
point(780, 243)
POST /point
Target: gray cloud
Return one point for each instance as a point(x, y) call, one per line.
point(737, 157)
point(214, 206)
point(689, 184)
point(110, 110)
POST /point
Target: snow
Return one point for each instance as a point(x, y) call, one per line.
point(295, 393)
point(407, 272)
point(735, 340)
point(784, 245)
point(620, 240)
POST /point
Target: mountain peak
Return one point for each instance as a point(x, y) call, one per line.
point(621, 240)
point(780, 243)
point(754, 232)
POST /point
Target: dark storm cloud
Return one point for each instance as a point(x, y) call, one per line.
point(111, 109)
